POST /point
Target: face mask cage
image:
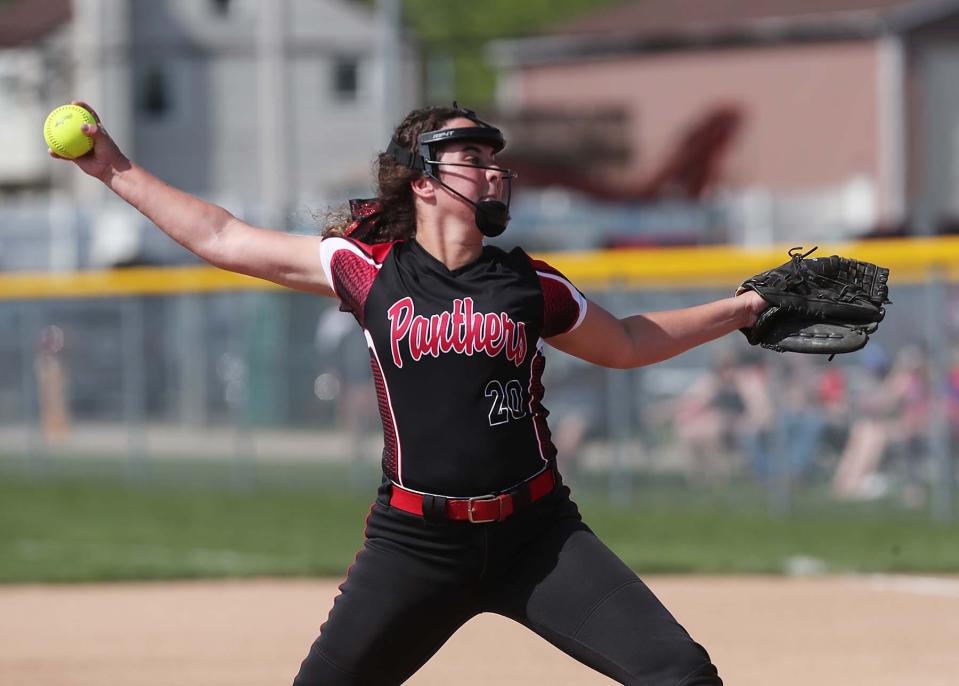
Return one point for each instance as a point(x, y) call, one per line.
point(507, 176)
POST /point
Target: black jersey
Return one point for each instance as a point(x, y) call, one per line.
point(457, 358)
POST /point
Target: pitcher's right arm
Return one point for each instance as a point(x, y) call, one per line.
point(207, 230)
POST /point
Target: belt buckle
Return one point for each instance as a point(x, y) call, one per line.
point(483, 499)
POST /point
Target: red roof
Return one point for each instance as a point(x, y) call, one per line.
point(26, 21)
point(654, 25)
point(656, 18)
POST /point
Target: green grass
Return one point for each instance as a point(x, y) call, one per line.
point(700, 540)
point(77, 531)
point(112, 523)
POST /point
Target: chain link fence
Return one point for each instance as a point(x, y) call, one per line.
point(249, 384)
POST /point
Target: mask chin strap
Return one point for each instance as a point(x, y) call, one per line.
point(491, 216)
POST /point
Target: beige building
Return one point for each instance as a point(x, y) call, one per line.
point(841, 113)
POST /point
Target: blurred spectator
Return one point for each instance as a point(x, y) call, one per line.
point(832, 396)
point(753, 428)
point(801, 418)
point(893, 409)
point(728, 407)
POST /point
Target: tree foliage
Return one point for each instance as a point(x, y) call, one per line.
point(456, 32)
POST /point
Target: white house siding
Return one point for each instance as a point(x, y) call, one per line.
point(24, 160)
point(210, 141)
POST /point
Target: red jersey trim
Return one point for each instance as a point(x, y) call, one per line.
point(535, 392)
point(391, 432)
point(564, 307)
point(351, 267)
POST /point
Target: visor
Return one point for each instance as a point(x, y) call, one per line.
point(424, 158)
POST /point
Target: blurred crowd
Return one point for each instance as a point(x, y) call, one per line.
point(862, 427)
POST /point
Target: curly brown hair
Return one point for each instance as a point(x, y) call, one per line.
point(397, 219)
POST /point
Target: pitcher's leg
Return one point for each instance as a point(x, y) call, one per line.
point(573, 591)
point(394, 611)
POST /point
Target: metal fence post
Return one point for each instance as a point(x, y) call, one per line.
point(243, 471)
point(133, 381)
point(619, 402)
point(191, 360)
point(780, 484)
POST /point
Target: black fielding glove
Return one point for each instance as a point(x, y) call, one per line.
point(827, 305)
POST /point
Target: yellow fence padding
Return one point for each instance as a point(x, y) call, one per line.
point(911, 261)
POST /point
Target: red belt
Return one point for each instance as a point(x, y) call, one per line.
point(489, 508)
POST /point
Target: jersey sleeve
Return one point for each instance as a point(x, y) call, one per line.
point(564, 307)
point(351, 267)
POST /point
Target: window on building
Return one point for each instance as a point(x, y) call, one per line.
point(9, 86)
point(220, 7)
point(346, 78)
point(155, 93)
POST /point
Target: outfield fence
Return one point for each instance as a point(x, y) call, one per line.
point(142, 367)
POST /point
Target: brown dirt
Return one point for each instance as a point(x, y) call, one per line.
point(882, 631)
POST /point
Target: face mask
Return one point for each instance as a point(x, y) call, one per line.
point(491, 216)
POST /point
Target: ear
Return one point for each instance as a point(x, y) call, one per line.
point(423, 188)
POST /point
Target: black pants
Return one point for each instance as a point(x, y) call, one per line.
point(415, 582)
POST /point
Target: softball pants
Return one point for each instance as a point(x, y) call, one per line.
point(415, 582)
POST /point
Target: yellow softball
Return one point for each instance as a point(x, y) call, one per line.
point(62, 131)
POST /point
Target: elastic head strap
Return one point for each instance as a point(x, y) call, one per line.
point(405, 157)
point(470, 114)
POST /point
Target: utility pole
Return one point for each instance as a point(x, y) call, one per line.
point(390, 21)
point(273, 112)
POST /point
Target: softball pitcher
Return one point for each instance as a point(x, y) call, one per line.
point(472, 515)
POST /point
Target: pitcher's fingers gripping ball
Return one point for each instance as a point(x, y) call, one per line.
point(63, 134)
point(825, 305)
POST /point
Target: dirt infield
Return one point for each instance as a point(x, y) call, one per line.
point(881, 631)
